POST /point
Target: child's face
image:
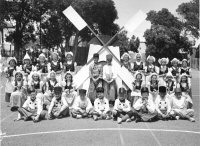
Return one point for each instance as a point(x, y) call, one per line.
point(27, 61)
point(69, 57)
point(139, 76)
point(178, 95)
point(126, 58)
point(18, 77)
point(138, 58)
point(33, 95)
point(184, 79)
point(169, 78)
point(57, 95)
point(42, 59)
point(184, 64)
point(175, 64)
point(154, 78)
point(96, 59)
point(150, 61)
point(12, 63)
point(52, 76)
point(82, 96)
point(163, 63)
point(121, 96)
point(145, 95)
point(100, 95)
point(55, 58)
point(68, 77)
point(35, 77)
point(162, 94)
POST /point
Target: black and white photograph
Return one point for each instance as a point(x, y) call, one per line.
point(99, 73)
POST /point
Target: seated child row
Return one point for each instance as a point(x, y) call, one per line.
point(165, 107)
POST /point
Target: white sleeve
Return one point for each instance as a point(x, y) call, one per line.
point(51, 106)
point(116, 104)
point(138, 104)
point(128, 108)
point(96, 106)
point(107, 108)
point(26, 103)
point(89, 106)
point(39, 106)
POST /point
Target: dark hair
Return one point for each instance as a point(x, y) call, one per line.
point(162, 89)
point(29, 90)
point(144, 90)
point(100, 90)
point(122, 90)
point(70, 75)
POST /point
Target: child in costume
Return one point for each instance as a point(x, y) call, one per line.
point(185, 85)
point(35, 83)
point(56, 66)
point(181, 106)
point(69, 64)
point(18, 96)
point(185, 69)
point(122, 109)
point(137, 85)
point(96, 74)
point(101, 106)
point(27, 66)
point(69, 94)
point(144, 108)
point(32, 108)
point(10, 77)
point(126, 61)
point(175, 70)
point(42, 66)
point(138, 65)
point(150, 67)
point(82, 107)
point(170, 83)
point(109, 76)
point(50, 84)
point(163, 106)
point(58, 107)
point(163, 69)
point(153, 85)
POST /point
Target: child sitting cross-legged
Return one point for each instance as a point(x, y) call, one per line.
point(122, 108)
point(32, 108)
point(101, 106)
point(144, 108)
point(58, 107)
point(162, 103)
point(182, 106)
point(82, 107)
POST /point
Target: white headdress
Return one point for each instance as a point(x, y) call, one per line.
point(185, 60)
point(163, 59)
point(27, 57)
point(42, 56)
point(68, 53)
point(11, 58)
point(18, 70)
point(125, 54)
point(48, 76)
point(151, 57)
point(34, 73)
point(175, 60)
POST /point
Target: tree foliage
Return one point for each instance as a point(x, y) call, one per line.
point(190, 13)
point(164, 38)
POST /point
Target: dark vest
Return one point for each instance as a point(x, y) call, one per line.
point(155, 87)
point(51, 87)
point(42, 67)
point(184, 89)
point(55, 67)
point(28, 67)
point(185, 71)
point(174, 71)
point(160, 72)
point(138, 67)
point(150, 69)
point(171, 87)
point(69, 67)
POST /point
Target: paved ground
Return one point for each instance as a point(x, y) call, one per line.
point(85, 132)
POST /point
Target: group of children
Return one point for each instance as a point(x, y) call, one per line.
point(46, 90)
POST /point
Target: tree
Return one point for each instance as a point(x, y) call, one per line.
point(23, 14)
point(164, 38)
point(190, 13)
point(126, 44)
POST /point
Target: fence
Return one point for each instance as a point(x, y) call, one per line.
point(194, 63)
